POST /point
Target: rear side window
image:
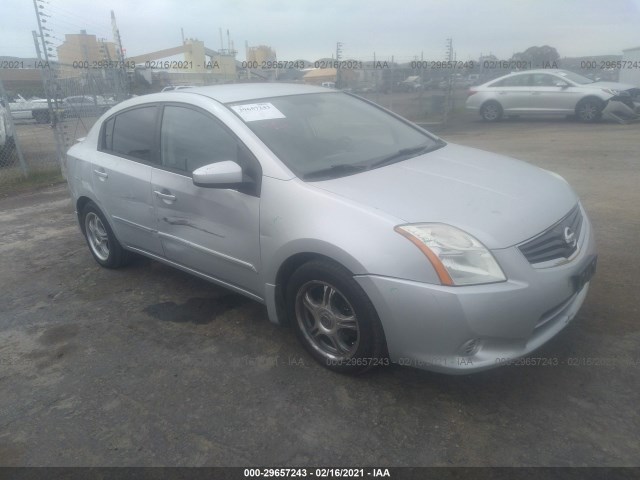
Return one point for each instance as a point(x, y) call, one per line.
point(131, 133)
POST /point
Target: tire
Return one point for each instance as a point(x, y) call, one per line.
point(102, 242)
point(334, 319)
point(491, 112)
point(41, 117)
point(589, 110)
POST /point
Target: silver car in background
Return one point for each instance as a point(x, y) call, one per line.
point(377, 241)
point(549, 92)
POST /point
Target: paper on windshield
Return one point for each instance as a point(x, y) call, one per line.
point(257, 111)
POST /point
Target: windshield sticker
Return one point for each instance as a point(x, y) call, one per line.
point(257, 111)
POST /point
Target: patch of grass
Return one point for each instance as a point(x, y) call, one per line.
point(12, 181)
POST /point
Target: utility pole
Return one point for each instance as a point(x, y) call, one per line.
point(120, 56)
point(46, 59)
point(48, 81)
point(448, 99)
point(338, 58)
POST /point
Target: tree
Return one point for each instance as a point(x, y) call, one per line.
point(538, 56)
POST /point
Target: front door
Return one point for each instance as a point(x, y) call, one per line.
point(210, 230)
point(551, 94)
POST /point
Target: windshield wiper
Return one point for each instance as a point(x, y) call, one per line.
point(406, 153)
point(338, 169)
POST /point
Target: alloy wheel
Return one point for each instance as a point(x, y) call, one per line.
point(588, 111)
point(327, 320)
point(490, 112)
point(97, 236)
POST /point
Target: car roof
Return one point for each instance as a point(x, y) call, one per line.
point(240, 92)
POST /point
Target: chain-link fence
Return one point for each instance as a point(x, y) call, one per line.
point(43, 117)
point(38, 123)
point(424, 106)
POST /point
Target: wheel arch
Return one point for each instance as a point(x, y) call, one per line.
point(491, 100)
point(281, 273)
point(82, 202)
point(591, 96)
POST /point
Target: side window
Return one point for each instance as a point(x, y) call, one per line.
point(514, 81)
point(518, 81)
point(543, 80)
point(133, 133)
point(190, 139)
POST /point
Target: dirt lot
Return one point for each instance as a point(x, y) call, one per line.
point(149, 366)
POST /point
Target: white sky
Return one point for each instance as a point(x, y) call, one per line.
point(309, 29)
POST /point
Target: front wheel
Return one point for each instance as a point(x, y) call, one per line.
point(334, 319)
point(103, 244)
point(491, 112)
point(589, 110)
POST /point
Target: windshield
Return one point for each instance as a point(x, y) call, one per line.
point(574, 77)
point(329, 135)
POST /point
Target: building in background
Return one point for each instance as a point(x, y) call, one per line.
point(318, 76)
point(262, 53)
point(82, 49)
point(191, 63)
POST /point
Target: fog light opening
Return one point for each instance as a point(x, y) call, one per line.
point(470, 347)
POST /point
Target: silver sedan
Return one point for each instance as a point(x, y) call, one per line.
point(377, 241)
point(550, 92)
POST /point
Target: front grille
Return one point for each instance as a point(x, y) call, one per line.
point(552, 244)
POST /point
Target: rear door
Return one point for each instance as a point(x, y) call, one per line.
point(214, 231)
point(513, 93)
point(121, 176)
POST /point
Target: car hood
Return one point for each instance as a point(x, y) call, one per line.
point(612, 85)
point(499, 200)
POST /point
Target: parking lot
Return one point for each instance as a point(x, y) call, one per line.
point(150, 366)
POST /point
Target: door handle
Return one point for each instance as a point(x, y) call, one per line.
point(101, 173)
point(165, 197)
point(536, 93)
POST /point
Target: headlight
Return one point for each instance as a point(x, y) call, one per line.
point(457, 257)
point(611, 91)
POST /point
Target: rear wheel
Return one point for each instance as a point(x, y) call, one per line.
point(589, 110)
point(103, 244)
point(334, 319)
point(491, 111)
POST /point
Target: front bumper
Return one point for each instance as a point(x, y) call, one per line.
point(471, 328)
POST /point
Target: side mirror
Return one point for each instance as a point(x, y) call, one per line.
point(225, 174)
point(562, 84)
